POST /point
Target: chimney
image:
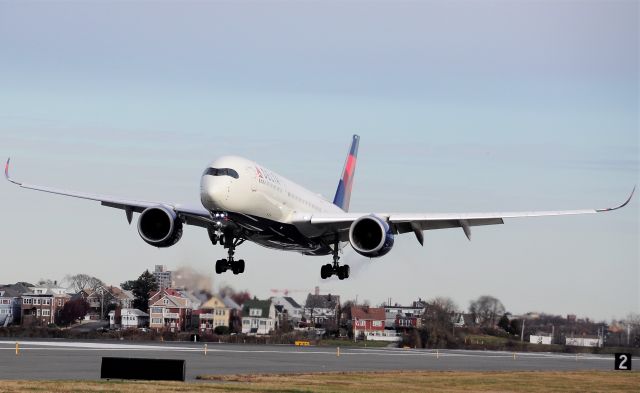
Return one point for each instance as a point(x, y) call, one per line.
point(317, 290)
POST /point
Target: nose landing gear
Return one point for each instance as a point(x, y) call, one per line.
point(228, 241)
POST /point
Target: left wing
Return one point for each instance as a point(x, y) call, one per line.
point(190, 215)
point(418, 222)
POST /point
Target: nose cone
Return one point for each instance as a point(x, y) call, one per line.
point(224, 177)
point(213, 192)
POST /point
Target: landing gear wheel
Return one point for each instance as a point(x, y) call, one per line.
point(342, 272)
point(345, 271)
point(240, 266)
point(221, 266)
point(326, 271)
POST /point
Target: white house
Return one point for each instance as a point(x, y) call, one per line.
point(128, 318)
point(258, 317)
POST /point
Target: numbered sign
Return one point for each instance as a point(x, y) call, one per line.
point(623, 361)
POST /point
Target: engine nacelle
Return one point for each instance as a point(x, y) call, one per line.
point(371, 236)
point(159, 226)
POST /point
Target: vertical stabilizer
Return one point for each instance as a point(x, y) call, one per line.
point(343, 193)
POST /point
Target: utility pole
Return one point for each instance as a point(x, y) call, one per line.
point(102, 303)
point(522, 331)
point(628, 332)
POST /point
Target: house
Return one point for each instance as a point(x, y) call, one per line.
point(10, 310)
point(403, 317)
point(128, 318)
point(322, 310)
point(288, 307)
point(41, 309)
point(48, 288)
point(235, 314)
point(367, 321)
point(460, 320)
point(258, 317)
point(105, 298)
point(212, 313)
point(124, 298)
point(170, 310)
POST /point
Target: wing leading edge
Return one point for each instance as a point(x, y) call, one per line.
point(190, 215)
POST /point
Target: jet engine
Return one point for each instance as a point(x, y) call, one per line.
point(371, 236)
point(159, 226)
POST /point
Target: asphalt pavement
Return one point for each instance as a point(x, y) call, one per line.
point(66, 359)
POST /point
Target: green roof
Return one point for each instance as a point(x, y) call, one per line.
point(264, 305)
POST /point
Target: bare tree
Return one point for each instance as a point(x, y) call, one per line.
point(439, 312)
point(487, 309)
point(81, 281)
point(446, 304)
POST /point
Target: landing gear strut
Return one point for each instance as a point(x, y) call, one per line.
point(229, 242)
point(329, 270)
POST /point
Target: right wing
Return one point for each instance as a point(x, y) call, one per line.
point(197, 216)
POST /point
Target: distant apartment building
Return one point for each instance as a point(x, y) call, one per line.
point(163, 277)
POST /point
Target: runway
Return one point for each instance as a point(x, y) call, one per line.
point(64, 359)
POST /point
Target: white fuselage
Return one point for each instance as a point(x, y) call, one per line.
point(259, 192)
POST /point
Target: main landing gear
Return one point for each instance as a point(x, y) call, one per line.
point(229, 242)
point(329, 270)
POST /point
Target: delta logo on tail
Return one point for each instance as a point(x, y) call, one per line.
point(343, 193)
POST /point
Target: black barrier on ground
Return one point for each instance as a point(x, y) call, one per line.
point(143, 368)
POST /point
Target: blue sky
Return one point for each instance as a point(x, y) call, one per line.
point(461, 105)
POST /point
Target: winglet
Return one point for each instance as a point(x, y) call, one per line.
point(621, 206)
point(6, 172)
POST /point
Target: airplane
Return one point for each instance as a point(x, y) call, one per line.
point(242, 200)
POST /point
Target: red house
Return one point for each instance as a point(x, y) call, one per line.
point(367, 321)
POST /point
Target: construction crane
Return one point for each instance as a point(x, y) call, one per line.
point(286, 292)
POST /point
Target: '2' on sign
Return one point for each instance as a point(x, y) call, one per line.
point(623, 361)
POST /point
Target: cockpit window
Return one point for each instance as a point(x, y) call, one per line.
point(221, 172)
